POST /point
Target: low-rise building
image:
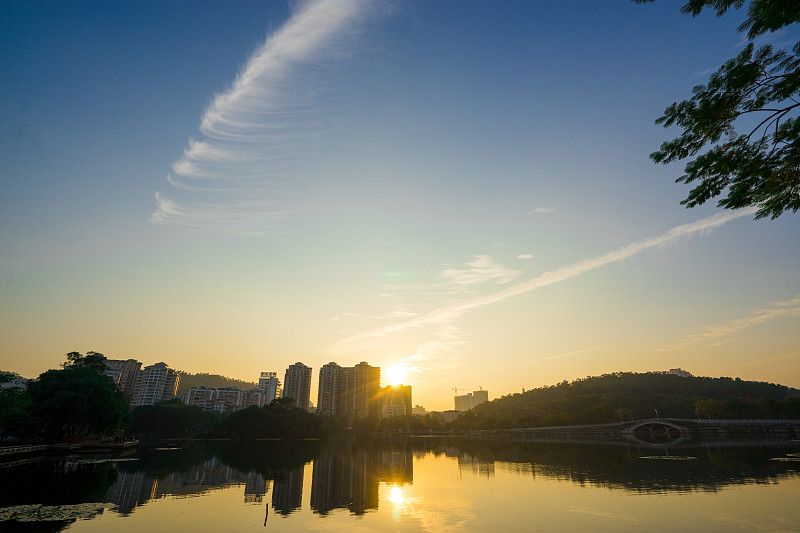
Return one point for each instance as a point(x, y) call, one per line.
point(395, 400)
point(446, 417)
point(17, 382)
point(223, 399)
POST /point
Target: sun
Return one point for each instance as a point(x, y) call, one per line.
point(396, 375)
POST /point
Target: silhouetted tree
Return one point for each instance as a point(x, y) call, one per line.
point(94, 360)
point(75, 402)
point(760, 164)
point(280, 419)
point(13, 407)
point(173, 418)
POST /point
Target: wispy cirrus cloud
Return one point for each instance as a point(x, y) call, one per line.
point(721, 333)
point(439, 353)
point(7, 263)
point(236, 176)
point(445, 315)
point(541, 210)
point(574, 352)
point(482, 269)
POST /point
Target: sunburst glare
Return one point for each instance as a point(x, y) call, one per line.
point(396, 375)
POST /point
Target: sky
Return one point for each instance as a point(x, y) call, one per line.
point(458, 192)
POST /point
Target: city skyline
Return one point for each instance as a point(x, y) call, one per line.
point(457, 192)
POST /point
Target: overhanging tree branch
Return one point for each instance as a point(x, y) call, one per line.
point(764, 172)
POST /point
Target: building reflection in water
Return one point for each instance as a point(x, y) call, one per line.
point(346, 476)
point(132, 489)
point(287, 493)
point(475, 465)
point(255, 486)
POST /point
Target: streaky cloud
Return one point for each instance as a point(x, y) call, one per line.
point(237, 176)
point(574, 352)
point(481, 269)
point(446, 314)
point(715, 332)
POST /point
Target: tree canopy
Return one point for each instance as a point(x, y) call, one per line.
point(13, 405)
point(75, 402)
point(741, 135)
point(629, 396)
point(94, 360)
point(173, 418)
point(279, 419)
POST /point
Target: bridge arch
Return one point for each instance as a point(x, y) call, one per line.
point(656, 431)
point(655, 422)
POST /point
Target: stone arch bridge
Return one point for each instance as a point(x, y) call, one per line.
point(656, 431)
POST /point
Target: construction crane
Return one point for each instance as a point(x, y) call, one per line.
point(455, 389)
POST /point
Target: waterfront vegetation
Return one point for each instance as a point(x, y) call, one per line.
point(79, 403)
point(74, 403)
point(280, 419)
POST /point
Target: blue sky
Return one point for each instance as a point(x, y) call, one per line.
point(375, 163)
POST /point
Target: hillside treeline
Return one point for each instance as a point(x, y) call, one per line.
point(623, 396)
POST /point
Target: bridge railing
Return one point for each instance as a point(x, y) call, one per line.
point(748, 421)
point(692, 421)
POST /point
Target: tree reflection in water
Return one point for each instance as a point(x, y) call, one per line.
point(346, 474)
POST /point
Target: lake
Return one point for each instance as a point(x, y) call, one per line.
point(423, 484)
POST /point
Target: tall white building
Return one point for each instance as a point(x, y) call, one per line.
point(124, 374)
point(471, 399)
point(155, 384)
point(270, 385)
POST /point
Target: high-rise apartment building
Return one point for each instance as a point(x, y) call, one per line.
point(480, 396)
point(349, 391)
point(270, 385)
point(297, 384)
point(124, 374)
point(471, 399)
point(395, 400)
point(154, 384)
point(327, 391)
point(367, 385)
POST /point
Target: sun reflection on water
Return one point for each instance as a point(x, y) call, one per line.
point(396, 496)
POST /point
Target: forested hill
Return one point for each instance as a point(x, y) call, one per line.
point(626, 396)
point(210, 380)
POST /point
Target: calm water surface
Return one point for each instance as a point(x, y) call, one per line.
point(421, 485)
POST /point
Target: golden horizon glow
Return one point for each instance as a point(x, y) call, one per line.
point(396, 375)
